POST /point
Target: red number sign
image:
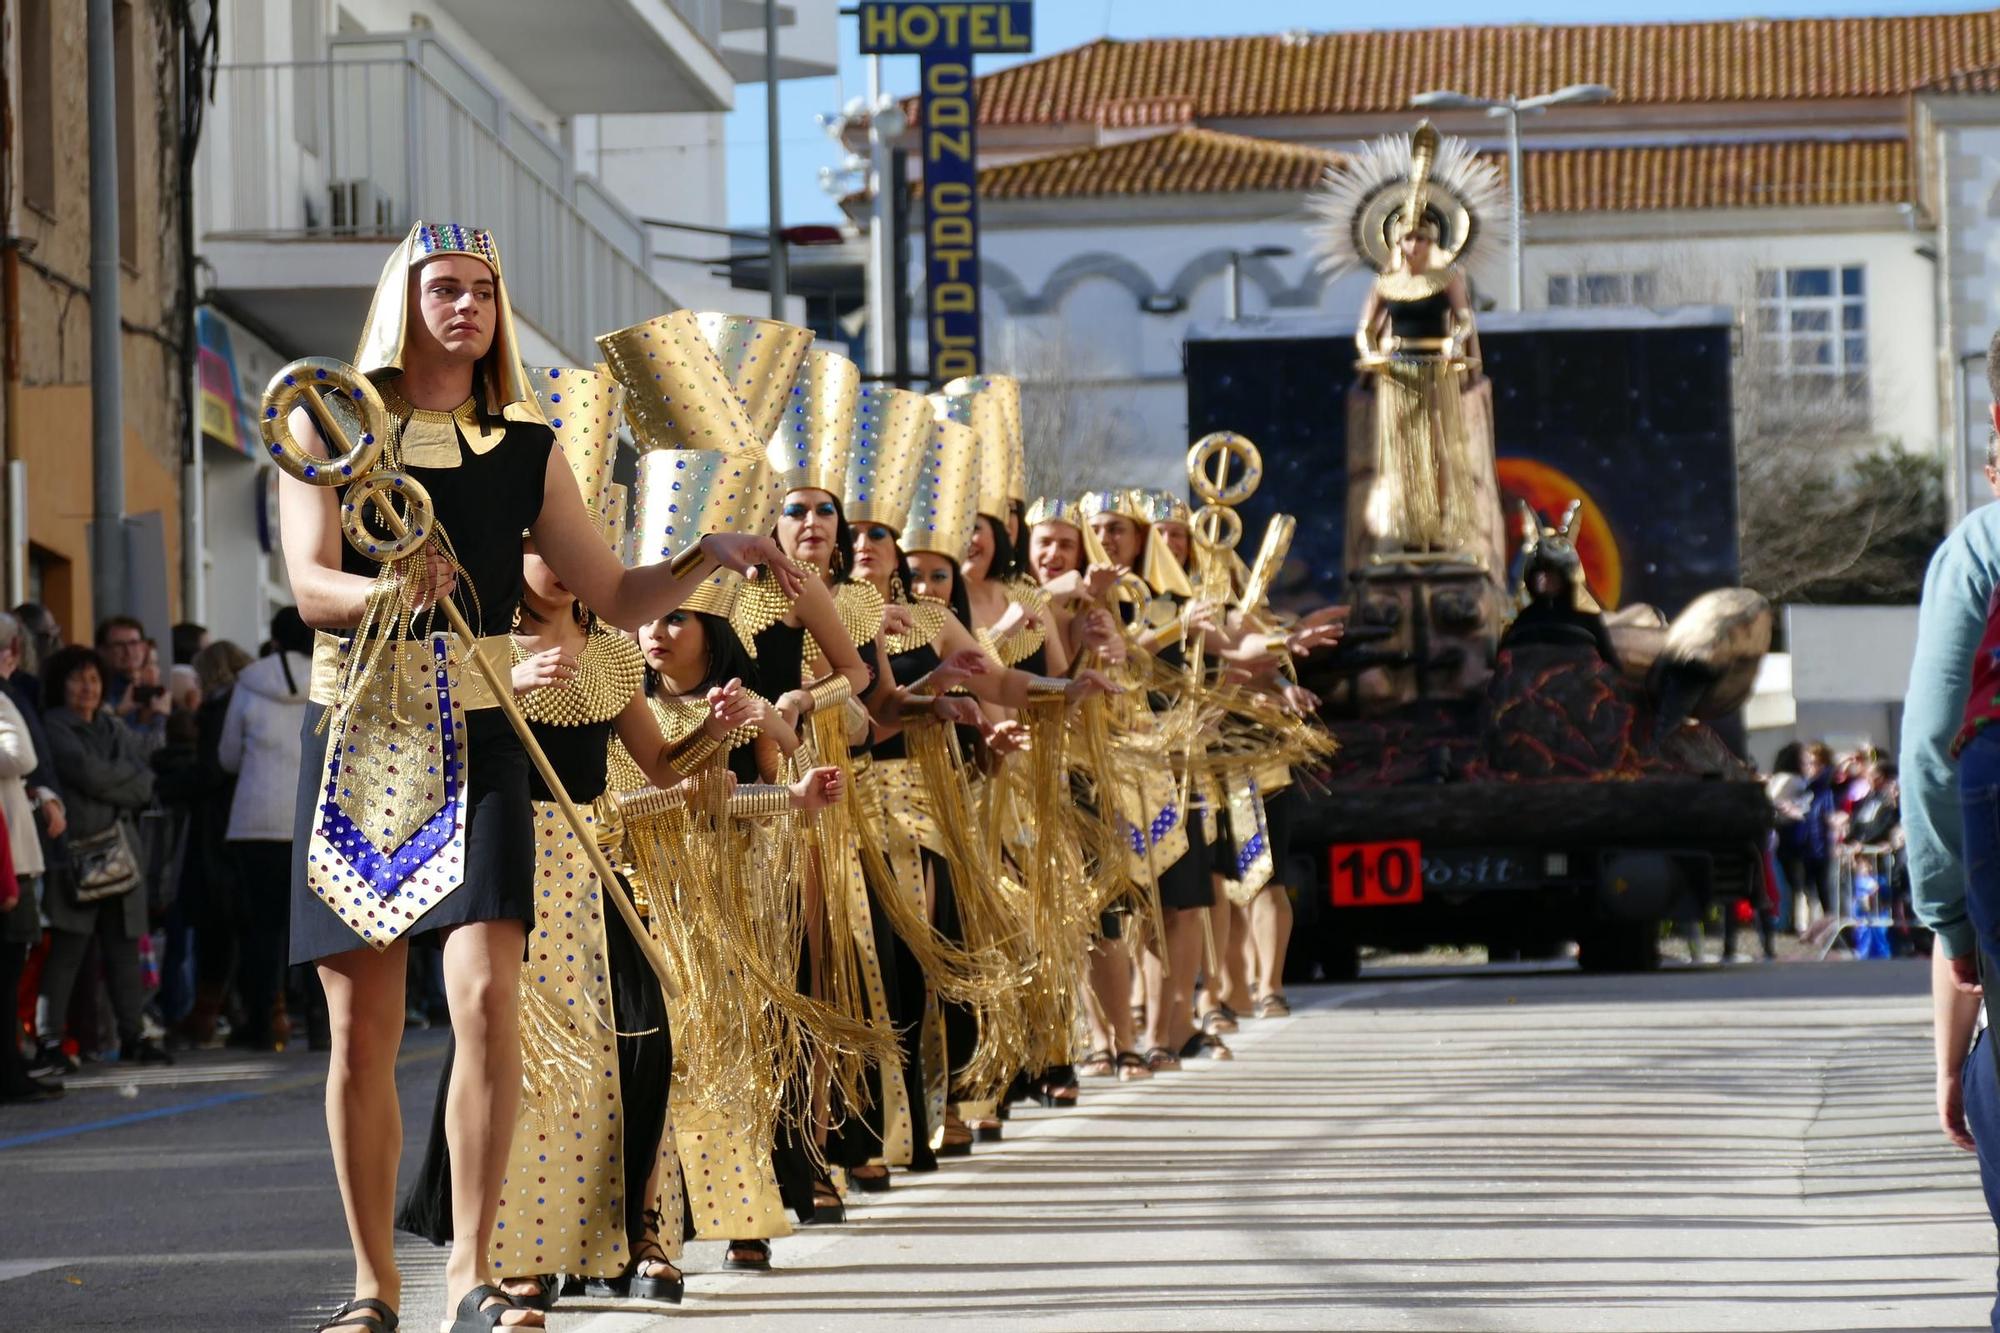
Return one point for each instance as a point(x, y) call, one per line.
point(1377, 874)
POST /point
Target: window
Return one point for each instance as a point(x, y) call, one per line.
point(1814, 323)
point(125, 64)
point(38, 108)
point(1584, 289)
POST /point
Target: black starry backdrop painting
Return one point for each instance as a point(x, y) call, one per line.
point(1639, 418)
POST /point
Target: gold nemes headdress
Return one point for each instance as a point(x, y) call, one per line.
point(503, 389)
point(1399, 183)
point(894, 436)
point(1054, 509)
point(1158, 566)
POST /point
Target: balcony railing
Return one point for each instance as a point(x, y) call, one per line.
point(360, 146)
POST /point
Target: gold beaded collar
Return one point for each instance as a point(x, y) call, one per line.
point(927, 617)
point(609, 672)
point(1017, 645)
point(428, 438)
point(681, 717)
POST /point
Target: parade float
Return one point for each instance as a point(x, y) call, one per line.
point(1533, 518)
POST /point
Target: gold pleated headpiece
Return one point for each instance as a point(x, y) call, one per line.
point(705, 381)
point(815, 437)
point(582, 407)
point(617, 504)
point(1162, 506)
point(946, 502)
point(991, 405)
point(894, 435)
point(762, 359)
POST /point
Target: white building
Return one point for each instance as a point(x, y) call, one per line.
point(1834, 179)
point(563, 127)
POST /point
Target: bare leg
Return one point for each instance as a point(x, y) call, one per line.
point(1109, 997)
point(1271, 929)
point(1150, 974)
point(364, 1120)
point(482, 982)
point(1223, 973)
point(1243, 966)
point(1185, 943)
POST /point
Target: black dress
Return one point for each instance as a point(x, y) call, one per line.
point(483, 505)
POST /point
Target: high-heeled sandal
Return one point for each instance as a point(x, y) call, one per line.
point(869, 1184)
point(1051, 1095)
point(474, 1315)
point(367, 1315)
point(759, 1262)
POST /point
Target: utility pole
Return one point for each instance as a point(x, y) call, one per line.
point(781, 275)
point(108, 593)
point(881, 221)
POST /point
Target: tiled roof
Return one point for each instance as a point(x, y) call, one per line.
point(1380, 71)
point(1183, 162)
point(1770, 174)
point(1732, 175)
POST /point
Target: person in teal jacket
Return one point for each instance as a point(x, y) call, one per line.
point(1952, 622)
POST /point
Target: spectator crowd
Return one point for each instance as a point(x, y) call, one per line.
point(1839, 849)
point(146, 833)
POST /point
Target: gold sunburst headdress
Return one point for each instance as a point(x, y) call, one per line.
point(1402, 182)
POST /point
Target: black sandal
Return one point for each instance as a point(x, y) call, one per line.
point(869, 1184)
point(1132, 1067)
point(760, 1264)
point(367, 1314)
point(957, 1140)
point(474, 1315)
point(654, 1287)
point(544, 1296)
point(829, 1209)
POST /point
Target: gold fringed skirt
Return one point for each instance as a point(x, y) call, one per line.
point(562, 1203)
point(1426, 491)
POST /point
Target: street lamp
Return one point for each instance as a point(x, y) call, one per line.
point(1512, 107)
point(1234, 311)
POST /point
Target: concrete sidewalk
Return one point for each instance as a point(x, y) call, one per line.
point(1743, 1149)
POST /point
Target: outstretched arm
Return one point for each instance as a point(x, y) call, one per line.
point(570, 540)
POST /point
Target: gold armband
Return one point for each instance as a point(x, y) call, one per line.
point(832, 692)
point(686, 562)
point(1047, 687)
point(760, 801)
point(692, 757)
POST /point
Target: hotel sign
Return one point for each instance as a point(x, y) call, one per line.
point(946, 36)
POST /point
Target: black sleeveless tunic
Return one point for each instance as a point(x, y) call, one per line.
point(483, 505)
point(1426, 317)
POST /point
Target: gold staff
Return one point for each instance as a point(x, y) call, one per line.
point(374, 487)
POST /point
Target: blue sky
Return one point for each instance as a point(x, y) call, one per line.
point(1061, 24)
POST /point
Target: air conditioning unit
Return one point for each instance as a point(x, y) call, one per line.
point(360, 208)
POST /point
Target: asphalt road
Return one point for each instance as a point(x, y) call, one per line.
point(1740, 1148)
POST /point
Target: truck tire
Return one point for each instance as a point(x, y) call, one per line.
point(1339, 956)
point(1621, 946)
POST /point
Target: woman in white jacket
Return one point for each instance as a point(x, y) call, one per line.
point(261, 744)
point(20, 920)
